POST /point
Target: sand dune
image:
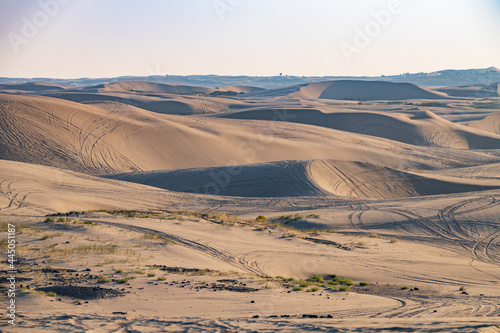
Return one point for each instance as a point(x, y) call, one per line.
point(166, 104)
point(306, 178)
point(490, 123)
point(241, 89)
point(145, 87)
point(115, 139)
point(419, 128)
point(87, 138)
point(354, 90)
point(473, 90)
point(149, 87)
point(31, 87)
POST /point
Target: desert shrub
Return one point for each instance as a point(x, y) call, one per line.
point(118, 270)
point(61, 219)
point(363, 284)
point(77, 301)
point(393, 240)
point(345, 288)
point(162, 278)
point(124, 279)
point(151, 274)
point(313, 289)
point(462, 288)
point(405, 288)
point(261, 218)
point(316, 278)
point(346, 281)
point(51, 294)
point(49, 219)
point(303, 283)
point(313, 215)
point(103, 279)
point(374, 236)
point(297, 288)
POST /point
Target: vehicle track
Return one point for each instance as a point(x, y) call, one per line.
point(443, 305)
point(219, 255)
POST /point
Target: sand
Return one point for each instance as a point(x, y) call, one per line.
point(110, 188)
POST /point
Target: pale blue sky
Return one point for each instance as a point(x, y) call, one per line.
point(99, 38)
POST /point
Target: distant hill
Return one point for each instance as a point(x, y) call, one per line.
point(442, 78)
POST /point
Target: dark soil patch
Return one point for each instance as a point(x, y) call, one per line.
point(383, 289)
point(57, 270)
point(180, 269)
point(78, 292)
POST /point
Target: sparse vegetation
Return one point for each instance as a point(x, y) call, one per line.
point(346, 281)
point(103, 279)
point(118, 270)
point(304, 283)
point(296, 288)
point(316, 278)
point(161, 238)
point(345, 288)
point(261, 218)
point(313, 289)
point(51, 294)
point(49, 219)
point(393, 240)
point(4, 243)
point(125, 279)
point(405, 288)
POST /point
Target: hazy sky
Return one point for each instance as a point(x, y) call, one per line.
point(101, 38)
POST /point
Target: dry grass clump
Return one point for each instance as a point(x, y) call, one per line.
point(161, 238)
